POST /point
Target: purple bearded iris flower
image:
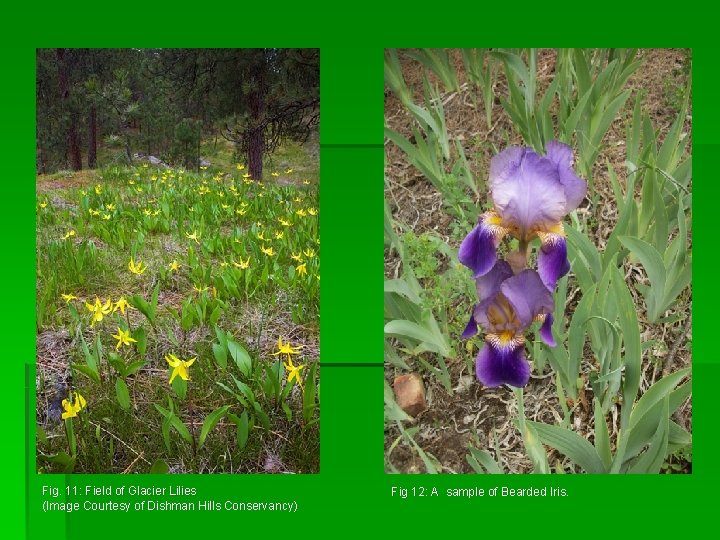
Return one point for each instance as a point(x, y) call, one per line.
point(531, 195)
point(508, 306)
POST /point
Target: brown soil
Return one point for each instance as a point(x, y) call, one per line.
point(53, 182)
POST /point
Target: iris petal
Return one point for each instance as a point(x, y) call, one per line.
point(471, 329)
point(478, 250)
point(488, 285)
point(505, 164)
point(528, 296)
point(496, 365)
point(530, 196)
point(575, 188)
point(546, 331)
point(552, 259)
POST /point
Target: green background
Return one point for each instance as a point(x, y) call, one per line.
point(351, 495)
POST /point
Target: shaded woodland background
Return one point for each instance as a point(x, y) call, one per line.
point(97, 107)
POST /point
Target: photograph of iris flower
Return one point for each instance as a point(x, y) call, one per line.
point(538, 261)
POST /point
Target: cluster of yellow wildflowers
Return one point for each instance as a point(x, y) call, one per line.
point(289, 350)
point(212, 202)
point(99, 309)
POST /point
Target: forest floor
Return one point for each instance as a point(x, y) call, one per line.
point(482, 417)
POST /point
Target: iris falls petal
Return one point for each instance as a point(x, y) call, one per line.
point(552, 258)
point(471, 329)
point(502, 363)
point(478, 250)
point(546, 331)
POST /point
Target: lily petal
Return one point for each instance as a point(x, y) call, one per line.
point(498, 364)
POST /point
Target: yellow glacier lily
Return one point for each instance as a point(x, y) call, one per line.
point(287, 349)
point(122, 305)
point(138, 268)
point(293, 371)
point(72, 408)
point(123, 338)
point(242, 265)
point(99, 310)
point(180, 367)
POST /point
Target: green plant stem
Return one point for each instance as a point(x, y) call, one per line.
point(70, 434)
point(192, 427)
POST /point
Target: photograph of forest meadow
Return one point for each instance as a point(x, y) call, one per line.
point(178, 261)
point(538, 261)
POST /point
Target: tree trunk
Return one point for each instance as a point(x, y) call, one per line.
point(197, 158)
point(128, 154)
point(73, 137)
point(256, 143)
point(92, 138)
point(256, 132)
point(39, 154)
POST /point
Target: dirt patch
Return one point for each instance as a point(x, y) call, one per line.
point(58, 181)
